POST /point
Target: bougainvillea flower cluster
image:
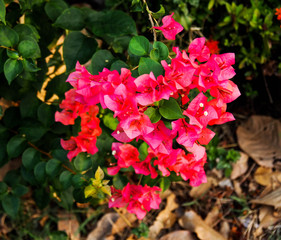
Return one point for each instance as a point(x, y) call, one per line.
point(278, 13)
point(195, 71)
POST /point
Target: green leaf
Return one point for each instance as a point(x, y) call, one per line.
point(29, 49)
point(165, 183)
point(46, 114)
point(100, 60)
point(78, 47)
point(117, 65)
point(8, 36)
point(29, 66)
point(41, 197)
point(77, 181)
point(30, 158)
point(71, 19)
point(16, 146)
point(65, 179)
point(171, 109)
point(40, 172)
point(194, 3)
point(12, 54)
point(120, 181)
point(12, 68)
point(109, 121)
point(82, 162)
point(54, 8)
point(53, 167)
point(147, 65)
point(153, 114)
point(143, 151)
point(27, 31)
point(3, 187)
point(11, 205)
point(20, 190)
point(159, 52)
point(33, 130)
point(139, 45)
point(159, 13)
point(112, 24)
point(2, 11)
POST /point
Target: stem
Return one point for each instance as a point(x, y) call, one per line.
point(123, 217)
point(8, 48)
point(151, 20)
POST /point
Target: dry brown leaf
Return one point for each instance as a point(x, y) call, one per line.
point(68, 223)
point(193, 222)
point(165, 218)
point(212, 216)
point(266, 218)
point(11, 165)
point(237, 188)
point(104, 227)
point(240, 167)
point(260, 138)
point(178, 235)
point(225, 229)
point(196, 192)
point(265, 176)
point(271, 199)
point(121, 224)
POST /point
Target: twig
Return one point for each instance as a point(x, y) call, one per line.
point(151, 20)
point(267, 90)
point(248, 173)
point(123, 217)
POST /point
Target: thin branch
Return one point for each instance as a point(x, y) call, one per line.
point(151, 20)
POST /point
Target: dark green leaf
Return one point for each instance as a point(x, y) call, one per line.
point(12, 68)
point(33, 130)
point(8, 36)
point(53, 167)
point(120, 181)
point(71, 19)
point(153, 114)
point(117, 65)
point(30, 158)
point(170, 109)
point(147, 65)
point(11, 205)
point(2, 11)
point(16, 146)
point(165, 183)
point(20, 190)
point(54, 8)
point(29, 105)
point(46, 114)
point(139, 45)
point(29, 66)
point(12, 54)
point(112, 24)
point(159, 52)
point(159, 13)
point(100, 60)
point(41, 197)
point(12, 117)
point(3, 187)
point(136, 6)
point(82, 162)
point(194, 3)
point(29, 49)
point(27, 31)
point(40, 172)
point(77, 181)
point(143, 151)
point(77, 47)
point(65, 179)
point(28, 175)
point(109, 121)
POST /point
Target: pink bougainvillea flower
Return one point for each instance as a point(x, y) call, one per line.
point(170, 27)
point(213, 46)
point(198, 50)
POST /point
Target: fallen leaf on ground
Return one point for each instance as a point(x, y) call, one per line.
point(121, 223)
point(225, 229)
point(196, 192)
point(104, 227)
point(265, 176)
point(240, 167)
point(165, 218)
point(271, 199)
point(212, 216)
point(260, 138)
point(178, 235)
point(68, 223)
point(237, 188)
point(193, 222)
